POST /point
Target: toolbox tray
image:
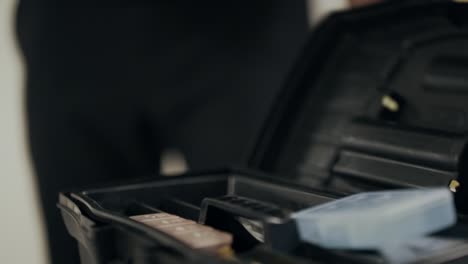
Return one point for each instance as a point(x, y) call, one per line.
point(328, 135)
point(99, 220)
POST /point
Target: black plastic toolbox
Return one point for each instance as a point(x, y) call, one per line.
point(378, 100)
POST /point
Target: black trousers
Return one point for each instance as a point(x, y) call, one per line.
point(109, 87)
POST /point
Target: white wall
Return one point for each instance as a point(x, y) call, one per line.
point(21, 232)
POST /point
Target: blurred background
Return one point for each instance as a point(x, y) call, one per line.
point(217, 67)
point(22, 237)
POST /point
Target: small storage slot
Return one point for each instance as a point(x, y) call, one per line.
point(288, 198)
point(386, 171)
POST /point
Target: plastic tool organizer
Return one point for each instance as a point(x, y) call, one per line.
point(378, 100)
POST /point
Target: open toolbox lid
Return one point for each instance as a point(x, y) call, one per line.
point(378, 99)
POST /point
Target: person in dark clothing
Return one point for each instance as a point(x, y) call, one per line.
point(108, 88)
point(110, 85)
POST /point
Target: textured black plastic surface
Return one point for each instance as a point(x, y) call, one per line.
point(329, 127)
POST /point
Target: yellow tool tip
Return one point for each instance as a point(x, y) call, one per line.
point(389, 103)
point(453, 185)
